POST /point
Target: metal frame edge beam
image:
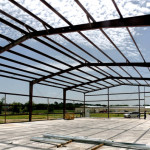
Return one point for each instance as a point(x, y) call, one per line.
point(137, 21)
point(139, 64)
point(116, 23)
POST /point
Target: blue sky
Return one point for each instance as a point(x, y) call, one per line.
point(100, 10)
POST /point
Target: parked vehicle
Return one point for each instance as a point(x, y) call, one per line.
point(131, 115)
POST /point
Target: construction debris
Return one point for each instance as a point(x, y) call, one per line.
point(97, 146)
point(63, 140)
point(47, 140)
point(63, 144)
point(69, 116)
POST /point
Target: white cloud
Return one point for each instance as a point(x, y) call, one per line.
point(123, 41)
point(8, 31)
point(148, 4)
point(99, 9)
point(133, 7)
point(70, 10)
point(61, 66)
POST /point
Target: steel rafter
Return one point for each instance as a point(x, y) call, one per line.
point(33, 73)
point(25, 46)
point(46, 45)
point(26, 65)
point(70, 24)
point(138, 21)
point(55, 42)
point(61, 17)
point(89, 15)
point(76, 85)
point(121, 17)
point(139, 64)
point(51, 27)
point(116, 94)
point(144, 85)
point(103, 79)
point(102, 75)
point(30, 12)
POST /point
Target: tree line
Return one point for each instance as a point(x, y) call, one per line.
point(17, 107)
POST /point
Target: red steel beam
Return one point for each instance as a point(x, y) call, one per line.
point(138, 21)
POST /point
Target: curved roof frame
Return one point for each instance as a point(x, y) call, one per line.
point(70, 83)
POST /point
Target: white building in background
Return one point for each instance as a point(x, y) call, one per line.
point(102, 109)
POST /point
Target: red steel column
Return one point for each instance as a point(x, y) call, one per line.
point(30, 100)
point(84, 105)
point(139, 102)
point(108, 103)
point(64, 103)
point(5, 108)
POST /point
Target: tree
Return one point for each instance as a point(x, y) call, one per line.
point(16, 107)
point(70, 106)
point(26, 107)
point(56, 105)
point(50, 108)
point(1, 104)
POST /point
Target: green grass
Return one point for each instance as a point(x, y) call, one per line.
point(39, 111)
point(61, 111)
point(45, 111)
point(42, 116)
point(17, 117)
point(20, 118)
point(1, 119)
point(105, 115)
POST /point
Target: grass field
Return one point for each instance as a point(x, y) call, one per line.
point(20, 118)
point(41, 115)
point(105, 115)
point(45, 111)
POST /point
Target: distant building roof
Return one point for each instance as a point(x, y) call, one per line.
point(116, 106)
point(147, 106)
point(94, 106)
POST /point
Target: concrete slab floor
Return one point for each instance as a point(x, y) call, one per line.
point(16, 136)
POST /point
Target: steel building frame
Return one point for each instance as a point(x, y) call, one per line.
point(70, 82)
